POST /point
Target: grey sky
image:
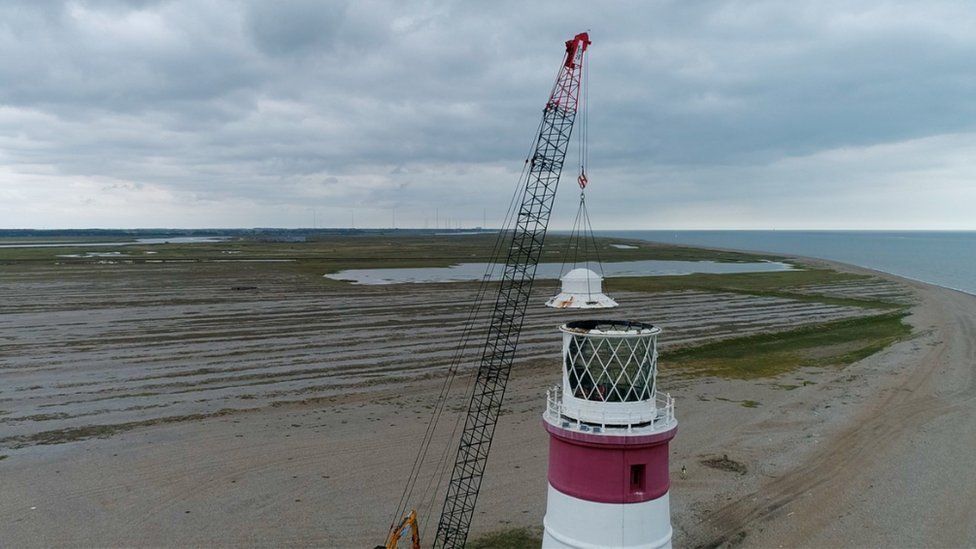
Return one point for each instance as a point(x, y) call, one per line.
point(702, 114)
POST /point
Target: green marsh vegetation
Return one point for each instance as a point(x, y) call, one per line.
point(834, 344)
point(333, 252)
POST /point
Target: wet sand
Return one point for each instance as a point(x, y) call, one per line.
point(314, 450)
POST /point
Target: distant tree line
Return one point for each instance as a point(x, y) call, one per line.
point(260, 233)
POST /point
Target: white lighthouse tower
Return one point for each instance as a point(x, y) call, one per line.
point(609, 431)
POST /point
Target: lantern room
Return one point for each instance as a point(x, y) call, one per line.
point(609, 371)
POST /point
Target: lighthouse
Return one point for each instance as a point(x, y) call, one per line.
point(609, 430)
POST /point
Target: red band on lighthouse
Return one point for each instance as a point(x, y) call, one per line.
point(609, 469)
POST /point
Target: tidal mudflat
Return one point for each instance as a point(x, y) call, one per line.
point(198, 401)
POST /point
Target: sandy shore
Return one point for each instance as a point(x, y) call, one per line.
point(893, 469)
point(842, 457)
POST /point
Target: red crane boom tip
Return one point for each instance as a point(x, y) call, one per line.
point(575, 48)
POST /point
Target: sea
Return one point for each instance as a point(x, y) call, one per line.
point(943, 258)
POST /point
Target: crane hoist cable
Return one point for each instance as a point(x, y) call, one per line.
point(581, 237)
point(582, 248)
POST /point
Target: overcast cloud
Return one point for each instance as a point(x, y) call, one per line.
point(702, 114)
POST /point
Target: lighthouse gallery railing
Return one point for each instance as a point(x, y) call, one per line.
point(662, 419)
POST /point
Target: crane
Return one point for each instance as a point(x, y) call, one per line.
point(542, 171)
point(545, 168)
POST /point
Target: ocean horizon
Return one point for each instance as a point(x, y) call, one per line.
point(943, 258)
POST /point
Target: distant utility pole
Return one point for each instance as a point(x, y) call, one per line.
point(394, 218)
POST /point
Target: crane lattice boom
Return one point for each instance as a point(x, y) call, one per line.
point(545, 167)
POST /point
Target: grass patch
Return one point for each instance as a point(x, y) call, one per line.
point(766, 355)
point(515, 538)
point(748, 403)
point(74, 434)
point(744, 282)
point(37, 417)
point(772, 284)
point(791, 386)
point(725, 464)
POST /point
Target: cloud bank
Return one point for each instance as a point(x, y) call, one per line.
point(702, 114)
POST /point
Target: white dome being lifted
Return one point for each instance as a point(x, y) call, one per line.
point(582, 289)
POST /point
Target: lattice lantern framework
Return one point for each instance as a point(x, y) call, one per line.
point(609, 372)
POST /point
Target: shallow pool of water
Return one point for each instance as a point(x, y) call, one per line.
point(475, 271)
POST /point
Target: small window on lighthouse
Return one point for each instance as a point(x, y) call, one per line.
point(637, 477)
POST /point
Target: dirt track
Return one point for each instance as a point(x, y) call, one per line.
point(899, 473)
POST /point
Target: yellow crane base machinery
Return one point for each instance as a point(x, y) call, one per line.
point(399, 532)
